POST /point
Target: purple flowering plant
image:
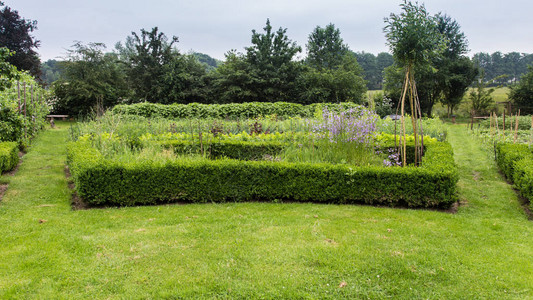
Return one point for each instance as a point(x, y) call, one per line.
point(344, 136)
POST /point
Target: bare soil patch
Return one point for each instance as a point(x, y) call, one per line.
point(3, 189)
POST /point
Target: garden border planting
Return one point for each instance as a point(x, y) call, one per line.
point(102, 181)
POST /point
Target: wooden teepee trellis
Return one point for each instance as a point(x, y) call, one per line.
point(409, 93)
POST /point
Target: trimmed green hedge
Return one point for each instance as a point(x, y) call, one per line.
point(9, 156)
point(103, 181)
point(231, 111)
point(516, 163)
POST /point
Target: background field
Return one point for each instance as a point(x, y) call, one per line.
point(500, 94)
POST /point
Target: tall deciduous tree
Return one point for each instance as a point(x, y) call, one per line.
point(15, 34)
point(90, 79)
point(413, 39)
point(233, 81)
point(522, 93)
point(146, 56)
point(342, 84)
point(374, 67)
point(446, 76)
point(455, 72)
point(333, 73)
point(271, 60)
point(369, 63)
point(459, 74)
point(325, 48)
point(183, 81)
point(481, 97)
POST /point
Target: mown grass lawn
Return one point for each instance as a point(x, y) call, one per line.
point(261, 250)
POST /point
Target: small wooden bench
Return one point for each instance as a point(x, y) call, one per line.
point(51, 117)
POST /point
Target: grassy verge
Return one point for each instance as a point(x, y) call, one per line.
point(261, 250)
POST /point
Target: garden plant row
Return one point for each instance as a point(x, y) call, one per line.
point(105, 181)
point(516, 163)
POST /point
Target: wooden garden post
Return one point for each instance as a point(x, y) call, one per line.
point(503, 116)
point(516, 127)
point(24, 85)
point(18, 95)
point(496, 121)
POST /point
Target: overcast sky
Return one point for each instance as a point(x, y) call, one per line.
point(217, 26)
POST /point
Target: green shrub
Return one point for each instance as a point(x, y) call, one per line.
point(508, 154)
point(523, 178)
point(11, 125)
point(516, 163)
point(9, 157)
point(104, 181)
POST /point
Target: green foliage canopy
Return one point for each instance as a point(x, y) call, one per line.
point(412, 35)
point(522, 93)
point(89, 76)
point(8, 72)
point(481, 97)
point(325, 48)
point(15, 34)
point(270, 60)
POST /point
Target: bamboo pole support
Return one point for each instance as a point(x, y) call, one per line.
point(421, 146)
point(24, 85)
point(516, 127)
point(496, 121)
point(414, 116)
point(18, 95)
point(531, 135)
point(403, 136)
point(491, 129)
point(503, 116)
point(32, 105)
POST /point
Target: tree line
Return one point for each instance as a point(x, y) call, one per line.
point(148, 66)
point(503, 69)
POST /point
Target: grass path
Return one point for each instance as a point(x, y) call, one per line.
point(261, 250)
